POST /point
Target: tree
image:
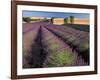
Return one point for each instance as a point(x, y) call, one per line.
point(52, 18)
point(65, 20)
point(26, 19)
point(71, 19)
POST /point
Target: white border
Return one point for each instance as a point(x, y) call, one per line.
point(21, 71)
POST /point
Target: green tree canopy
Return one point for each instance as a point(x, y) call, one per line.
point(27, 19)
point(71, 19)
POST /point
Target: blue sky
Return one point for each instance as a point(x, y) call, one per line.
point(53, 14)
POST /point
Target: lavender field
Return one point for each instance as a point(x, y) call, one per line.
point(48, 45)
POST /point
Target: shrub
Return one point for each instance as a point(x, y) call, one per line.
point(26, 19)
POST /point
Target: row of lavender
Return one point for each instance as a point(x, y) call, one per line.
point(29, 38)
point(78, 40)
point(43, 46)
point(58, 52)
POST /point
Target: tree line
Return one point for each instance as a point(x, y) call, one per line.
point(69, 19)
